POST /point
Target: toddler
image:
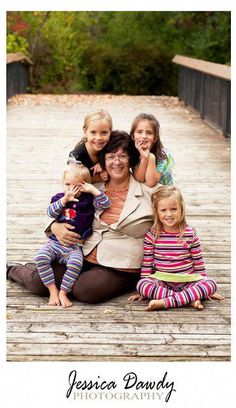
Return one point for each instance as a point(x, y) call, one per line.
point(76, 206)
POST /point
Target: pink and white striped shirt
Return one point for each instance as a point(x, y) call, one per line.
point(168, 254)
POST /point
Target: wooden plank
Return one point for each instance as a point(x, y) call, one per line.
point(119, 350)
point(161, 317)
point(107, 327)
point(23, 302)
point(87, 358)
point(105, 339)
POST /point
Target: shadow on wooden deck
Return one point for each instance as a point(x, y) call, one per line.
point(41, 132)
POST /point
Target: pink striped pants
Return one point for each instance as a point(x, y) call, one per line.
point(176, 295)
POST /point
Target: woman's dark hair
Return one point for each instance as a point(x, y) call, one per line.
point(118, 140)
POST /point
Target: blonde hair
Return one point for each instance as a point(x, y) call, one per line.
point(98, 115)
point(90, 117)
point(77, 170)
point(166, 192)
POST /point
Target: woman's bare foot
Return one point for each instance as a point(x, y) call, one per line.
point(53, 298)
point(155, 304)
point(65, 302)
point(197, 305)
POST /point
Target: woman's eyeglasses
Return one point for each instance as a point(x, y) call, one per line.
point(112, 157)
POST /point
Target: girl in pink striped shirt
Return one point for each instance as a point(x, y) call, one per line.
point(173, 272)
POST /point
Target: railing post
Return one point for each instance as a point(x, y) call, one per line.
point(202, 93)
point(226, 125)
point(18, 80)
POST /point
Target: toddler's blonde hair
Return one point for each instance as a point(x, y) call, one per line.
point(77, 170)
point(166, 192)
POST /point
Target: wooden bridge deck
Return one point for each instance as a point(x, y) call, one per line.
point(41, 132)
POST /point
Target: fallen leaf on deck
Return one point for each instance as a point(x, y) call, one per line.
point(108, 311)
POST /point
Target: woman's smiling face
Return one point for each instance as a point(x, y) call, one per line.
point(117, 165)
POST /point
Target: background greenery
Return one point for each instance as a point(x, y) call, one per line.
point(115, 52)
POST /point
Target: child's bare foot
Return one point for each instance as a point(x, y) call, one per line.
point(155, 304)
point(137, 297)
point(54, 300)
point(65, 302)
point(216, 296)
point(53, 297)
point(197, 305)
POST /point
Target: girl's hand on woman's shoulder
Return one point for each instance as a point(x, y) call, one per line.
point(96, 168)
point(99, 174)
point(104, 175)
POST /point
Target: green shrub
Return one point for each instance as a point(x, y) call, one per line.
point(16, 43)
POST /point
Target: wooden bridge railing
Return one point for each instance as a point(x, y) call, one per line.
point(18, 75)
point(206, 87)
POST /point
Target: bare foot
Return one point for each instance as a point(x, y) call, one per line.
point(155, 304)
point(216, 296)
point(197, 305)
point(54, 300)
point(65, 302)
point(53, 297)
point(137, 297)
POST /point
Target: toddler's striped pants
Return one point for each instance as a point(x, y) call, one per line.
point(176, 295)
point(71, 256)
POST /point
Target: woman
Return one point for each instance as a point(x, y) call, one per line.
point(113, 253)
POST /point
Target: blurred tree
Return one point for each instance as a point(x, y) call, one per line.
point(116, 52)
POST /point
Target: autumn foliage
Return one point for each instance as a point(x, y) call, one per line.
point(115, 52)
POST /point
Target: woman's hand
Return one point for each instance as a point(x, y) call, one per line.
point(64, 233)
point(137, 297)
